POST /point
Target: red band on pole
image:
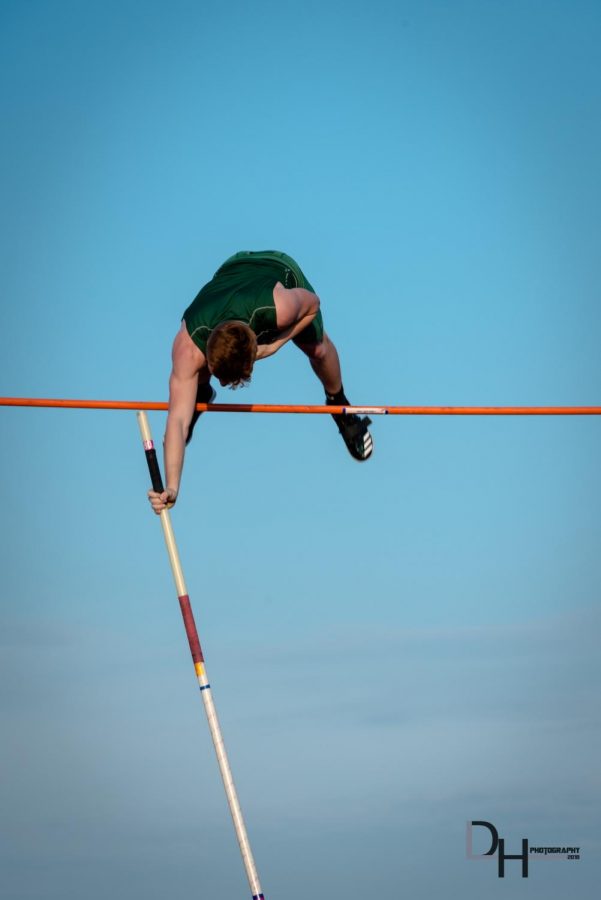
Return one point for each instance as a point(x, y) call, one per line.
point(190, 626)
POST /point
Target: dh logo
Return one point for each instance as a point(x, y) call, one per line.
point(498, 843)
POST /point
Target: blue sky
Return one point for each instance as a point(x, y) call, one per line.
point(394, 648)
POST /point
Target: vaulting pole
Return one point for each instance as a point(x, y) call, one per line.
point(199, 666)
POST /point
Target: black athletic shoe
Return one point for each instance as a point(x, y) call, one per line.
point(357, 438)
point(206, 394)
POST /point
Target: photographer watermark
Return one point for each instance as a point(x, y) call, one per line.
point(527, 853)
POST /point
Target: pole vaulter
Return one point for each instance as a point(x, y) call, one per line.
point(199, 666)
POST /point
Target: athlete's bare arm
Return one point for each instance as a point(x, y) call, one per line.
point(189, 366)
point(295, 309)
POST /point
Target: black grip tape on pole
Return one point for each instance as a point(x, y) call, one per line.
point(155, 472)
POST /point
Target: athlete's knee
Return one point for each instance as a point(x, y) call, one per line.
point(316, 351)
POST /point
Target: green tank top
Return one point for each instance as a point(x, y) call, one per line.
point(242, 289)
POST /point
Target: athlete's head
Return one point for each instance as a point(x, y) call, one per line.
point(231, 353)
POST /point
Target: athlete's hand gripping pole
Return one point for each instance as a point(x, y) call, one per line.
point(199, 666)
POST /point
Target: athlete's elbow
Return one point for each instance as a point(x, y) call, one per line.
point(309, 309)
point(177, 428)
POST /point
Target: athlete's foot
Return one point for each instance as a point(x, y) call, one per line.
point(353, 429)
point(357, 438)
point(205, 394)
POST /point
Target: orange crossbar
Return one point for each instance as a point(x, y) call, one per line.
point(283, 408)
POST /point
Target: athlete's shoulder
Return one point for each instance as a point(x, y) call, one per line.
point(187, 359)
point(293, 304)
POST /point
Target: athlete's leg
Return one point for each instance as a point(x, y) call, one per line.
point(324, 360)
point(325, 363)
